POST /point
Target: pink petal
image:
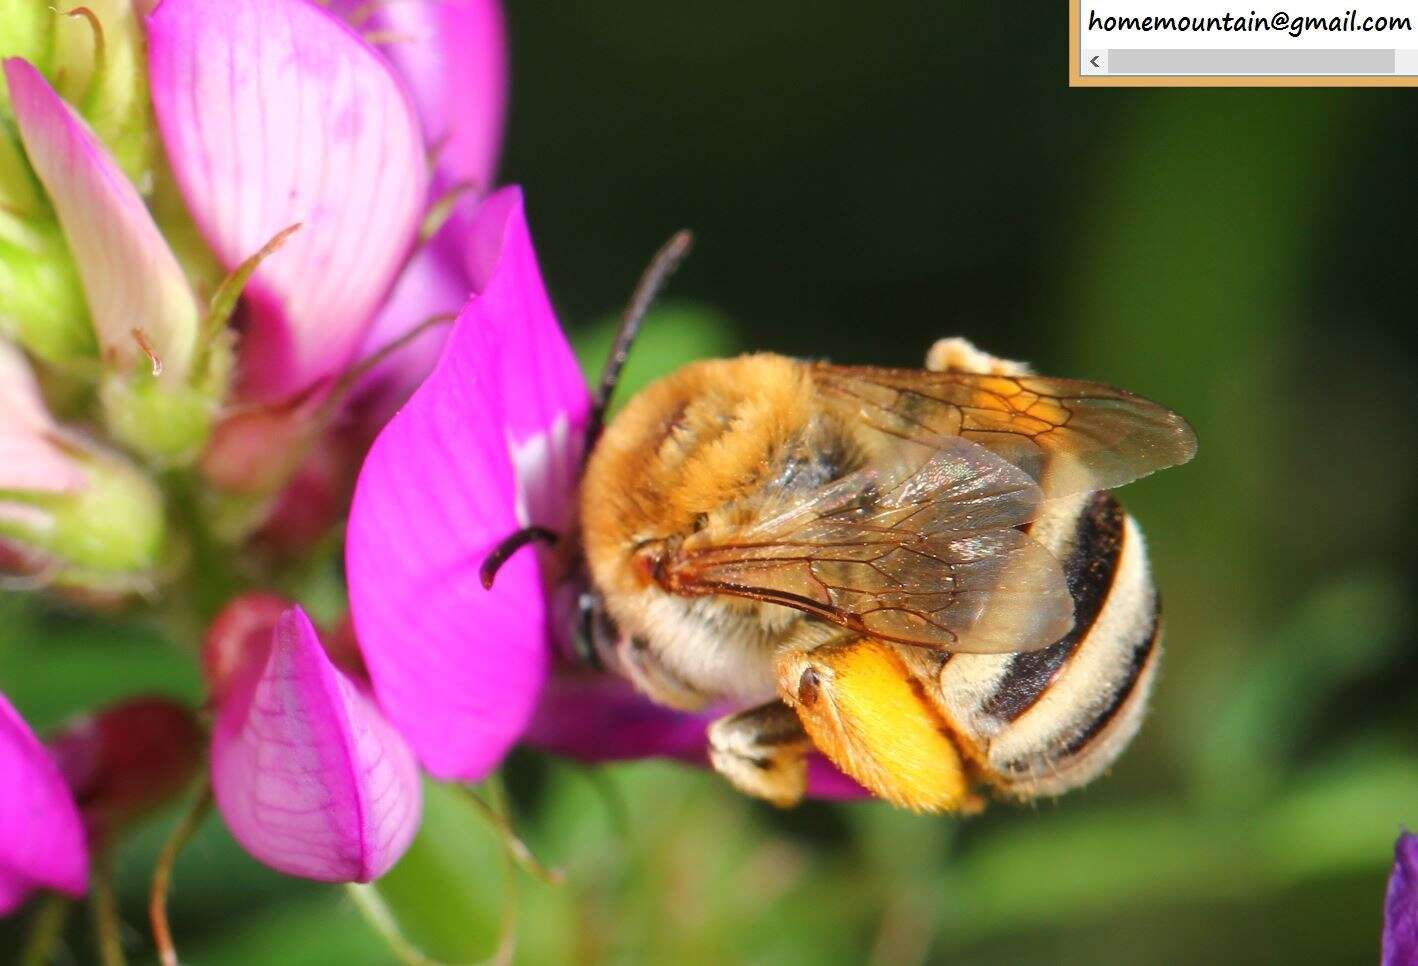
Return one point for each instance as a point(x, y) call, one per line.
point(543, 391)
point(131, 278)
point(487, 443)
point(433, 283)
point(824, 781)
point(1400, 941)
point(30, 455)
point(452, 54)
point(20, 401)
point(273, 112)
point(41, 834)
point(597, 717)
point(457, 668)
point(309, 776)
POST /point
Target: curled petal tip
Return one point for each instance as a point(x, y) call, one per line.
point(309, 776)
point(543, 393)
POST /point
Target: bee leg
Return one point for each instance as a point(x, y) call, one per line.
point(866, 709)
point(762, 752)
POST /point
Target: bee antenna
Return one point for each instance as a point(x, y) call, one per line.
point(656, 274)
point(501, 553)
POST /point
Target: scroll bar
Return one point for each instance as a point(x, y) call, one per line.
point(1237, 62)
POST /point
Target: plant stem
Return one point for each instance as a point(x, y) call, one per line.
point(103, 908)
point(182, 833)
point(372, 906)
point(516, 847)
point(46, 928)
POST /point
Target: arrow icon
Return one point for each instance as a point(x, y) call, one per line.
point(1094, 61)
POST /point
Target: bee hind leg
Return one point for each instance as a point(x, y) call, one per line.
point(762, 752)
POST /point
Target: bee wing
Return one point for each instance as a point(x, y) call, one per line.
point(922, 549)
point(1069, 436)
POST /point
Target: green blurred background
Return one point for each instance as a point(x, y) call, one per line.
point(863, 181)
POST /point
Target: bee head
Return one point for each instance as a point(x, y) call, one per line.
point(685, 455)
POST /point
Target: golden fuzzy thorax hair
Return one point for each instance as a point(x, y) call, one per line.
point(684, 450)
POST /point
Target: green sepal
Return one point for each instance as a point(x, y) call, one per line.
point(166, 423)
point(107, 535)
point(42, 304)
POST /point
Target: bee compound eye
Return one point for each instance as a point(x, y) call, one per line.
point(808, 687)
point(589, 628)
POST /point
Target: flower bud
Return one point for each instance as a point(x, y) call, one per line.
point(41, 298)
point(308, 775)
point(81, 515)
point(169, 424)
point(105, 534)
point(161, 384)
point(94, 55)
point(239, 639)
point(128, 759)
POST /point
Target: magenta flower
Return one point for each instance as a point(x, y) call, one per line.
point(442, 485)
point(1400, 947)
point(308, 775)
point(276, 113)
point(490, 443)
point(41, 834)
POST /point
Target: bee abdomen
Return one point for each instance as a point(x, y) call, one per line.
point(1049, 720)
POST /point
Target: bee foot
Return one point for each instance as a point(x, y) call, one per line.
point(763, 753)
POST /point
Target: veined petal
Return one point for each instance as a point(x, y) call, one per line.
point(543, 392)
point(131, 278)
point(1400, 946)
point(41, 834)
point(599, 718)
point(309, 776)
point(274, 113)
point(452, 54)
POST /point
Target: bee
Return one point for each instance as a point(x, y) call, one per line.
point(920, 574)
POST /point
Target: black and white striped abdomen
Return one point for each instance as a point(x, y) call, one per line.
point(1047, 721)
